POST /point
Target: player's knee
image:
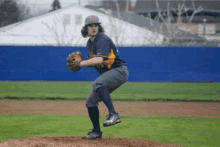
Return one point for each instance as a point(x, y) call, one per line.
point(90, 104)
point(96, 86)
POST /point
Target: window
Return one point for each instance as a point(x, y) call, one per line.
point(78, 19)
point(67, 19)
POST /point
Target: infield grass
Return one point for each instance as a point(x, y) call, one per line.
point(128, 91)
point(191, 132)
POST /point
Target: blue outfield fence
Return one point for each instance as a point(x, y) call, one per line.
point(145, 64)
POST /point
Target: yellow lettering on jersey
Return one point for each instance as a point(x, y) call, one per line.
point(111, 59)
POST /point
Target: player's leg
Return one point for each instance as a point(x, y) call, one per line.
point(108, 82)
point(93, 111)
point(105, 84)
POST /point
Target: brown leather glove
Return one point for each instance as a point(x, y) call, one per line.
point(73, 61)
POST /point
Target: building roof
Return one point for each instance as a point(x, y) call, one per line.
point(212, 16)
point(142, 5)
point(5, 28)
point(130, 17)
point(149, 24)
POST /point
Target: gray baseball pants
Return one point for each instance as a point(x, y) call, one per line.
point(112, 79)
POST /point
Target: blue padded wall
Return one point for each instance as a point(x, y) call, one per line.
point(145, 64)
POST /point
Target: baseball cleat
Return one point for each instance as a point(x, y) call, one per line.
point(112, 119)
point(93, 135)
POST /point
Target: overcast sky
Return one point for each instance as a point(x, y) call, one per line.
point(63, 2)
point(41, 6)
point(49, 2)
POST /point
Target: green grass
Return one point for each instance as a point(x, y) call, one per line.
point(128, 91)
point(192, 132)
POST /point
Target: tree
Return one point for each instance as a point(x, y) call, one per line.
point(173, 31)
point(56, 5)
point(9, 12)
point(12, 11)
point(61, 33)
point(24, 11)
point(119, 29)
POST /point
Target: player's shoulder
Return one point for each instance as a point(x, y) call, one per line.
point(103, 38)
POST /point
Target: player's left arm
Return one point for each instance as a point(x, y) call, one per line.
point(92, 62)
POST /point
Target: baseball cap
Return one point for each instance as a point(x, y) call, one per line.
point(92, 19)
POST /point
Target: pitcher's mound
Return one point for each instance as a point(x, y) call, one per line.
point(71, 141)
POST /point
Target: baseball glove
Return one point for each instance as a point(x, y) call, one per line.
point(73, 64)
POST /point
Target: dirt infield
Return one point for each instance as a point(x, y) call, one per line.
point(76, 107)
point(125, 108)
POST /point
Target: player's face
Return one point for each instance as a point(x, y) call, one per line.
point(93, 29)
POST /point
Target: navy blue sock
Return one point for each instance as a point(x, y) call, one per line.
point(94, 117)
point(105, 97)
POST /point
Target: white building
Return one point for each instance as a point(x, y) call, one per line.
point(63, 27)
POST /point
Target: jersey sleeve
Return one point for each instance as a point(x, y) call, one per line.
point(103, 48)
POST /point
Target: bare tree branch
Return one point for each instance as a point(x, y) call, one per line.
point(195, 11)
point(59, 31)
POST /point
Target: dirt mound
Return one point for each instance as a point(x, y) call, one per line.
point(72, 141)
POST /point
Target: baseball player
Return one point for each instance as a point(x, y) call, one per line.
point(104, 57)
